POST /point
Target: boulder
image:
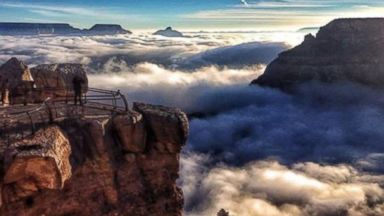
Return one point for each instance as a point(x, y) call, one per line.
point(14, 72)
point(38, 163)
point(343, 50)
point(131, 131)
point(168, 127)
point(57, 79)
point(16, 77)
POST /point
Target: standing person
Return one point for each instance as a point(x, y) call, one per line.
point(5, 93)
point(77, 88)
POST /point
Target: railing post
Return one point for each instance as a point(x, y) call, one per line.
point(50, 114)
point(124, 101)
point(33, 127)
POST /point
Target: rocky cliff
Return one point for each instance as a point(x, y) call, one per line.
point(125, 164)
point(343, 50)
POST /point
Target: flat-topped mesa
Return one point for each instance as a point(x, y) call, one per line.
point(107, 29)
point(7, 28)
point(343, 50)
point(126, 164)
point(36, 28)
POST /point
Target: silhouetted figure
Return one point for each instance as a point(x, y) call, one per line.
point(77, 88)
point(5, 93)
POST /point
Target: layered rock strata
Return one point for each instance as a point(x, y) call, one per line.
point(123, 165)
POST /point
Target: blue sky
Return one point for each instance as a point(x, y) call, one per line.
point(190, 14)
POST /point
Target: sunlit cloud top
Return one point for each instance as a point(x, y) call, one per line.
point(191, 14)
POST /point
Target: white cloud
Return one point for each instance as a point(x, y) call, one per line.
point(269, 188)
point(245, 3)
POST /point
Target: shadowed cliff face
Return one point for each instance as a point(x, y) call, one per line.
point(123, 165)
point(343, 50)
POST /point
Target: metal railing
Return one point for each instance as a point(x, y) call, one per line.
point(18, 121)
point(115, 99)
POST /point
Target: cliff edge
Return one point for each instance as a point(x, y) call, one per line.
point(343, 50)
point(60, 158)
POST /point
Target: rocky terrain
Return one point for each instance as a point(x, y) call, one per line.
point(121, 163)
point(58, 29)
point(343, 50)
point(40, 82)
point(169, 32)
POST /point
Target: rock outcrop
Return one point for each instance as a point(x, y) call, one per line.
point(343, 50)
point(58, 78)
point(13, 73)
point(168, 32)
point(39, 163)
point(16, 77)
point(126, 164)
point(35, 85)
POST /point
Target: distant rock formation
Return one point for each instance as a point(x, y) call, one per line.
point(169, 32)
point(107, 29)
point(58, 29)
point(343, 50)
point(37, 28)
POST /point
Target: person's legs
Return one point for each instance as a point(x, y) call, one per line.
point(76, 95)
point(80, 99)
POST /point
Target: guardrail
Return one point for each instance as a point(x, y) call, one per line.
point(19, 121)
point(95, 95)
